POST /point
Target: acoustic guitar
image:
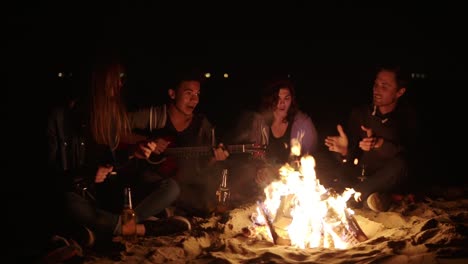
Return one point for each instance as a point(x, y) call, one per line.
point(167, 162)
point(198, 151)
point(189, 152)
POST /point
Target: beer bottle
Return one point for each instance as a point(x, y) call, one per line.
point(128, 218)
point(223, 194)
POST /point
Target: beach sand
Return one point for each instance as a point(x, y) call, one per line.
point(430, 230)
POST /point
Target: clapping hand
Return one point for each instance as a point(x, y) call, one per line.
point(338, 143)
point(370, 141)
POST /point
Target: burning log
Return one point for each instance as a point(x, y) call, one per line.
point(300, 211)
point(264, 211)
point(354, 228)
point(346, 227)
point(338, 227)
point(279, 235)
point(283, 219)
point(334, 226)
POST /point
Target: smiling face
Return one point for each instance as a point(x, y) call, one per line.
point(186, 96)
point(386, 91)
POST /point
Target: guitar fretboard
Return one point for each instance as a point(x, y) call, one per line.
point(208, 150)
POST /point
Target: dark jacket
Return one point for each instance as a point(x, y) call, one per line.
point(197, 179)
point(72, 154)
point(153, 121)
point(400, 130)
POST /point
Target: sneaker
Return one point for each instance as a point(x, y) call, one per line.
point(378, 202)
point(167, 226)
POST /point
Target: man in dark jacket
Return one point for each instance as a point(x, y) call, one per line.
point(380, 139)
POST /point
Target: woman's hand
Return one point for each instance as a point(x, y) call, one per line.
point(102, 172)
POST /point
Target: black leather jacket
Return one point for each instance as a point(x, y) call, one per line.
point(72, 154)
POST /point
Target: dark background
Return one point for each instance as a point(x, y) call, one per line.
point(329, 52)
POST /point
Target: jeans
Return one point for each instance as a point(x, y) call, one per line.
point(389, 176)
point(86, 212)
point(386, 178)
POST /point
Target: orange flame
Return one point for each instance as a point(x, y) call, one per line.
point(310, 215)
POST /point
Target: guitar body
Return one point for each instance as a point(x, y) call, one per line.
point(166, 165)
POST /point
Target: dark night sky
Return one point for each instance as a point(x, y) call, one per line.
point(329, 51)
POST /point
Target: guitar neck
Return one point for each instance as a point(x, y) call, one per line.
point(206, 150)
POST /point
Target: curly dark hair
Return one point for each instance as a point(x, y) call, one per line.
point(270, 97)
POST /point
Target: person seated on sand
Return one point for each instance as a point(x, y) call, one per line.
point(383, 137)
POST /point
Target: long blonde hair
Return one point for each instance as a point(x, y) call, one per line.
point(109, 120)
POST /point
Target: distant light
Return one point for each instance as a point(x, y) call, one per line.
point(207, 75)
point(60, 74)
point(417, 75)
point(226, 75)
point(289, 75)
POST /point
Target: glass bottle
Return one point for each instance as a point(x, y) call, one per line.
point(128, 218)
point(223, 194)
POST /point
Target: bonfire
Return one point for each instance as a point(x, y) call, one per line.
point(301, 221)
point(301, 210)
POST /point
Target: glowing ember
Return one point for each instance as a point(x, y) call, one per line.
point(299, 209)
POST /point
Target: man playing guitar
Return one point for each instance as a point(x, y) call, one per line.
point(178, 124)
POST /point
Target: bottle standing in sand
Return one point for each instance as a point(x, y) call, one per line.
point(128, 218)
point(223, 194)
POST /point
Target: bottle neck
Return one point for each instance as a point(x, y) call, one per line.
point(128, 198)
point(224, 179)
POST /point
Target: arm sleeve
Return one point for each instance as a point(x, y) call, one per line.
point(304, 129)
point(148, 118)
point(354, 132)
point(58, 165)
point(408, 135)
